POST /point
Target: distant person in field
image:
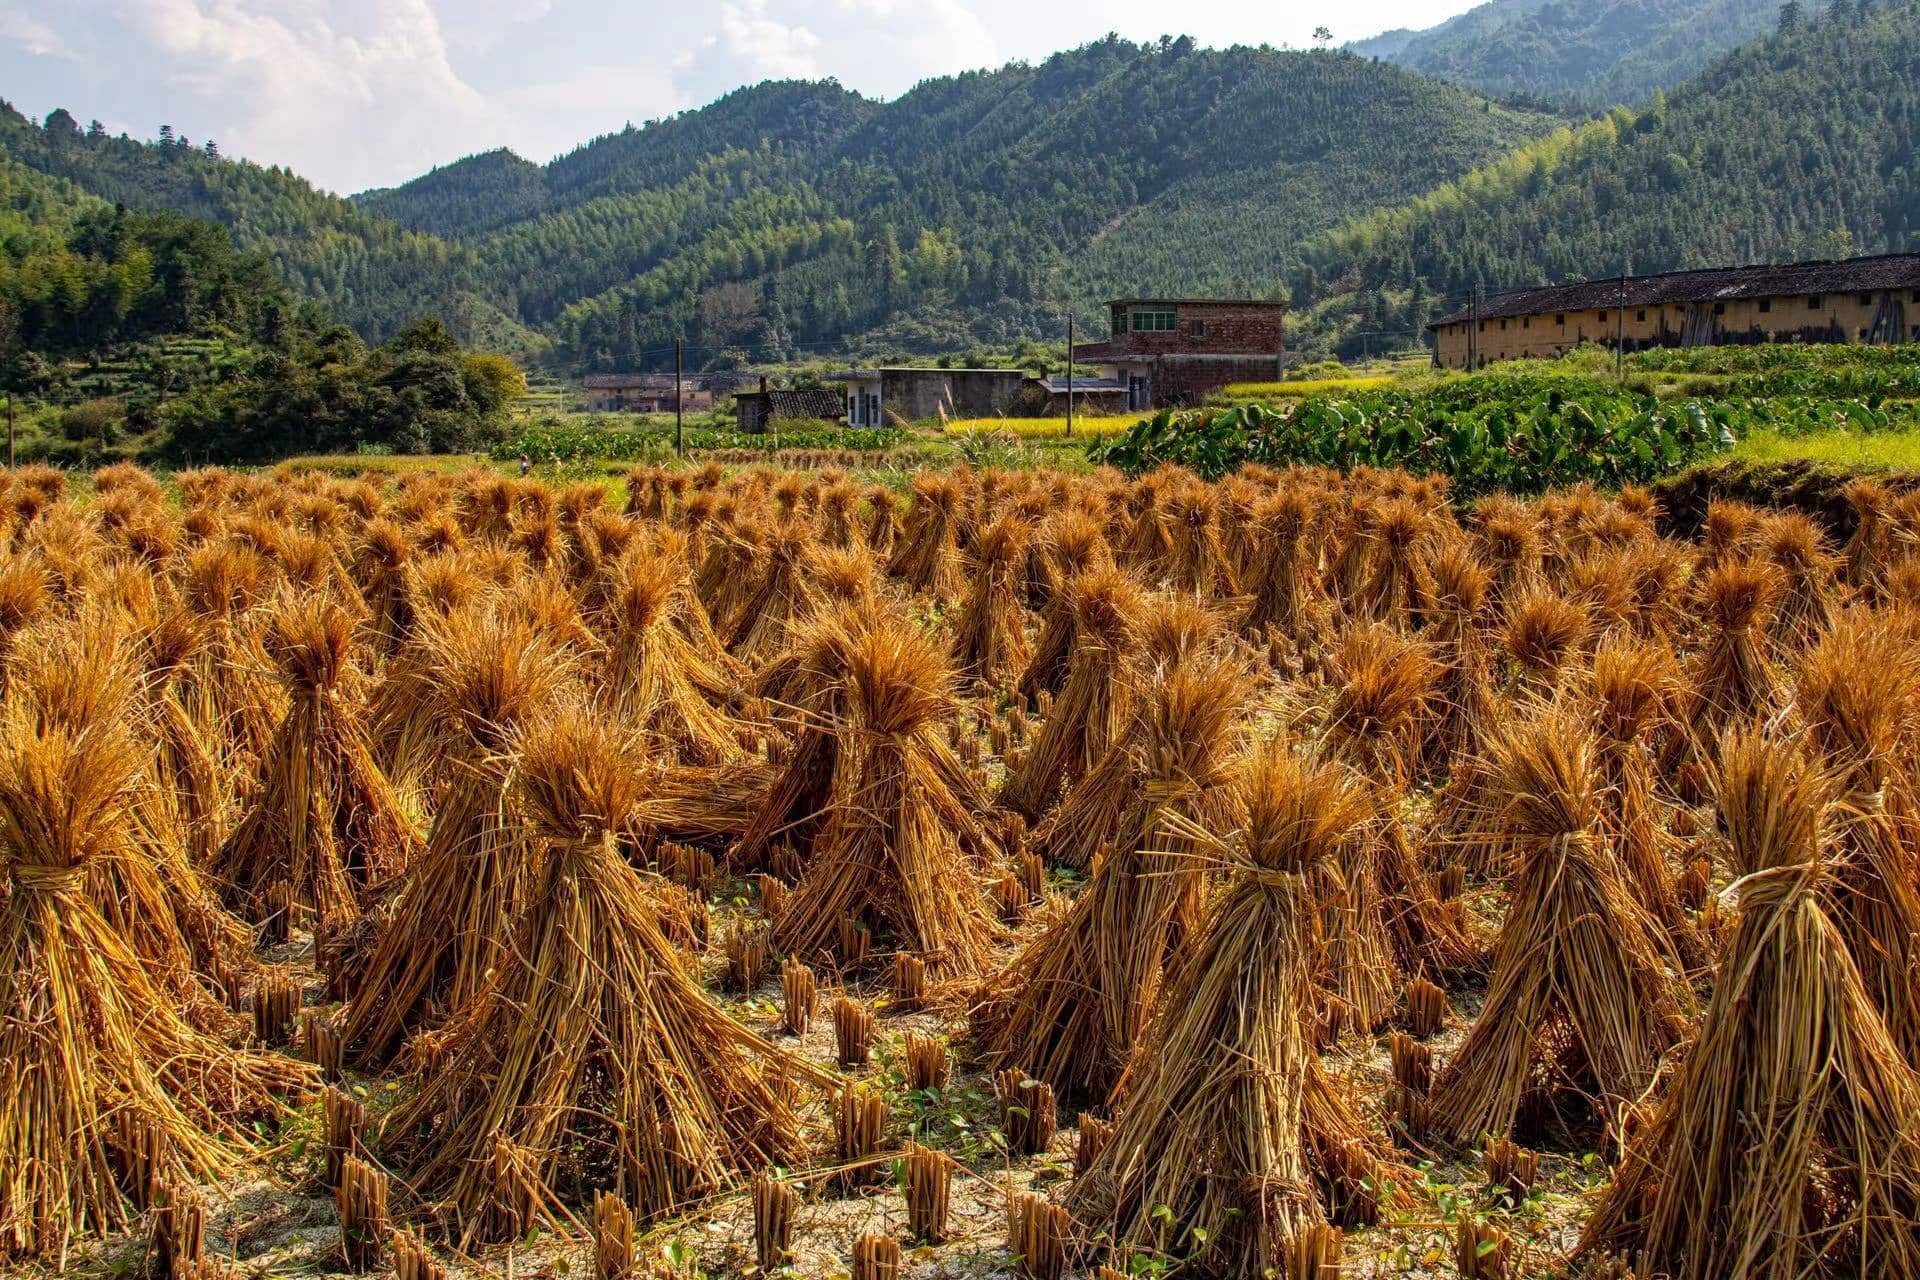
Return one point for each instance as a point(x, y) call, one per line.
point(525, 466)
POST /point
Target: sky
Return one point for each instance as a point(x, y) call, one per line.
point(362, 93)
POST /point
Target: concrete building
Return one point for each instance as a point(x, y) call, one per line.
point(885, 397)
point(1178, 351)
point(1872, 300)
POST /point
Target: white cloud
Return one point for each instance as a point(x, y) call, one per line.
point(361, 86)
point(355, 93)
point(761, 47)
point(30, 33)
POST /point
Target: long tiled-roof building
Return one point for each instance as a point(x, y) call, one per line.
point(1874, 300)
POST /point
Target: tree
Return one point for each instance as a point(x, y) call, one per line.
point(728, 311)
point(494, 380)
point(1323, 36)
point(1789, 17)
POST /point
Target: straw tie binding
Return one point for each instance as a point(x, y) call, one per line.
point(1771, 886)
point(50, 877)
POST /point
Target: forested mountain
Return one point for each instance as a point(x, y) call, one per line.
point(1798, 146)
point(371, 273)
point(790, 217)
point(149, 334)
point(1594, 53)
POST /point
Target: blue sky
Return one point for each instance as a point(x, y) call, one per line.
point(359, 93)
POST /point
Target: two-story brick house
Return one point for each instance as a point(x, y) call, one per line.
point(1177, 351)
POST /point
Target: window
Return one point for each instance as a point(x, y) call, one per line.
point(1198, 328)
point(1813, 302)
point(1866, 299)
point(1602, 315)
point(1766, 305)
point(1719, 308)
point(1526, 322)
point(1560, 320)
point(1153, 320)
point(1503, 324)
point(1640, 316)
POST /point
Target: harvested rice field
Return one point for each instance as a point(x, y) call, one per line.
point(756, 873)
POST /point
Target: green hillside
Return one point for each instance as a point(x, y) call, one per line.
point(371, 273)
point(793, 217)
point(1596, 54)
point(1798, 146)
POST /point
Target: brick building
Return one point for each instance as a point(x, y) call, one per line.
point(1178, 351)
point(1872, 300)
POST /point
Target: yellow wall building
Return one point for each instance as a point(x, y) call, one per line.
point(1859, 300)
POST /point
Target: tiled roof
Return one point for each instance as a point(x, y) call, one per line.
point(1715, 284)
point(817, 403)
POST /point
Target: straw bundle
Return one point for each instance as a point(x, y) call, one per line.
point(1789, 1144)
point(455, 910)
point(1580, 1006)
point(1216, 1124)
point(102, 1069)
point(84, 674)
point(592, 1051)
point(893, 849)
point(1387, 912)
point(926, 555)
point(1859, 696)
point(657, 675)
point(1093, 705)
point(990, 644)
point(883, 520)
point(1543, 635)
point(1394, 591)
point(783, 596)
point(1070, 1007)
point(324, 821)
point(1199, 563)
point(1284, 588)
point(1733, 676)
point(1869, 552)
point(1636, 688)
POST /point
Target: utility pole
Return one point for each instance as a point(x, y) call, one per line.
point(1620, 328)
point(1069, 375)
point(679, 417)
point(1473, 330)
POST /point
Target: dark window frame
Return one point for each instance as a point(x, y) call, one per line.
point(1816, 301)
point(1766, 306)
